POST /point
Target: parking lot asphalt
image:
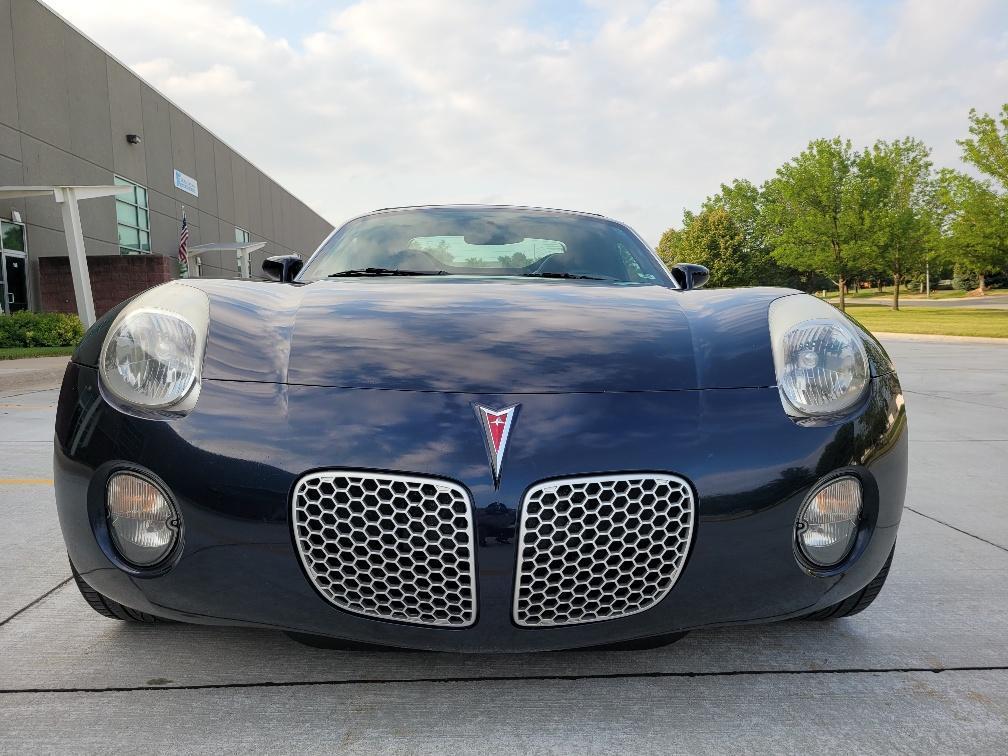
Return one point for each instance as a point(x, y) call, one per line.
point(925, 669)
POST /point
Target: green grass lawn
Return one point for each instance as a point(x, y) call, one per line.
point(952, 321)
point(17, 353)
point(887, 292)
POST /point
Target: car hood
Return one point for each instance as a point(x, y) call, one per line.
point(488, 336)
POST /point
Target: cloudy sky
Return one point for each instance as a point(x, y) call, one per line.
point(630, 108)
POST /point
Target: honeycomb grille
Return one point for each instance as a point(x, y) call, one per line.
point(600, 548)
point(388, 546)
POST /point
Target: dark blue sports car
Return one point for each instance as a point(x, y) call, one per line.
point(479, 429)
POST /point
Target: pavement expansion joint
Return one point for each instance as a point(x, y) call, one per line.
point(986, 405)
point(958, 530)
point(28, 606)
point(515, 678)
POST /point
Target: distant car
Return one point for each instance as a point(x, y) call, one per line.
point(479, 429)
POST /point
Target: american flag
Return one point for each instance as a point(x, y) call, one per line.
point(183, 244)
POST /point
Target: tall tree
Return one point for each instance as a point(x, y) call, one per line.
point(744, 202)
point(977, 229)
point(813, 210)
point(987, 146)
point(895, 181)
point(713, 239)
point(727, 236)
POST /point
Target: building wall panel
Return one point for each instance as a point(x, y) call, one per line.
point(157, 141)
point(205, 171)
point(8, 82)
point(10, 143)
point(89, 104)
point(239, 172)
point(39, 42)
point(253, 180)
point(126, 117)
point(44, 164)
point(165, 231)
point(12, 174)
point(183, 153)
point(266, 207)
point(224, 172)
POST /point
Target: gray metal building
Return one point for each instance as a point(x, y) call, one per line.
point(72, 114)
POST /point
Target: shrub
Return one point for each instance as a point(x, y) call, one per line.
point(32, 329)
point(964, 279)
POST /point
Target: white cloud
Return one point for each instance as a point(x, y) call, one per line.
point(638, 115)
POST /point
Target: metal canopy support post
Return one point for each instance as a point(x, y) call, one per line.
point(78, 259)
point(68, 197)
point(243, 252)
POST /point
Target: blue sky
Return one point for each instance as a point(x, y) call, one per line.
point(633, 108)
point(296, 19)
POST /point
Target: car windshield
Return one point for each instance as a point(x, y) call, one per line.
point(486, 242)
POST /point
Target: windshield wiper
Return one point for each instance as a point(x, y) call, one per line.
point(386, 272)
point(567, 275)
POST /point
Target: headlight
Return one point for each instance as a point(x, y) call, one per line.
point(828, 521)
point(153, 354)
point(821, 363)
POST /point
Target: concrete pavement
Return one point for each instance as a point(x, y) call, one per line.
point(925, 669)
point(31, 374)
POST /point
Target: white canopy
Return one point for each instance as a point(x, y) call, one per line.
point(68, 196)
point(243, 251)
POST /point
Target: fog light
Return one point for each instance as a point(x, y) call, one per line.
point(827, 523)
point(143, 523)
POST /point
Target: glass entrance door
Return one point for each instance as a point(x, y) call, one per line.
point(14, 271)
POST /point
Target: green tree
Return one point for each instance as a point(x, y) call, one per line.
point(895, 182)
point(813, 210)
point(744, 202)
point(713, 239)
point(727, 237)
point(987, 146)
point(977, 230)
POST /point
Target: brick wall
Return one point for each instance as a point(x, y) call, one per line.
point(113, 279)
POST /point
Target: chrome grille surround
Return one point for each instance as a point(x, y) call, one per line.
point(395, 547)
point(598, 548)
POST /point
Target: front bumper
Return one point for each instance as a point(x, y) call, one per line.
point(232, 463)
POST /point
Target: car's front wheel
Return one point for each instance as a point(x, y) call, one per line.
point(859, 601)
point(109, 608)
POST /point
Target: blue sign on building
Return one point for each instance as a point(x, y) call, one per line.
point(186, 183)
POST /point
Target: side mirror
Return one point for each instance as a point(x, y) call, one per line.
point(282, 268)
point(689, 276)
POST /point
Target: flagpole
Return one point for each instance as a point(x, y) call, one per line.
point(183, 257)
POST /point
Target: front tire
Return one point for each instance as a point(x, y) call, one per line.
point(858, 602)
point(109, 608)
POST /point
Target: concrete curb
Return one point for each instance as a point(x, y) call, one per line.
point(940, 338)
point(31, 374)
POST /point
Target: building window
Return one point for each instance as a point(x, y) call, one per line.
point(133, 219)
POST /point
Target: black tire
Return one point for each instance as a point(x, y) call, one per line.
point(109, 608)
point(858, 602)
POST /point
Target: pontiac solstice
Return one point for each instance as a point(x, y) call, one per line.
point(479, 428)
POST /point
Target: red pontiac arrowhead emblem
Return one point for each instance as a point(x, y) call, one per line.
point(497, 425)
